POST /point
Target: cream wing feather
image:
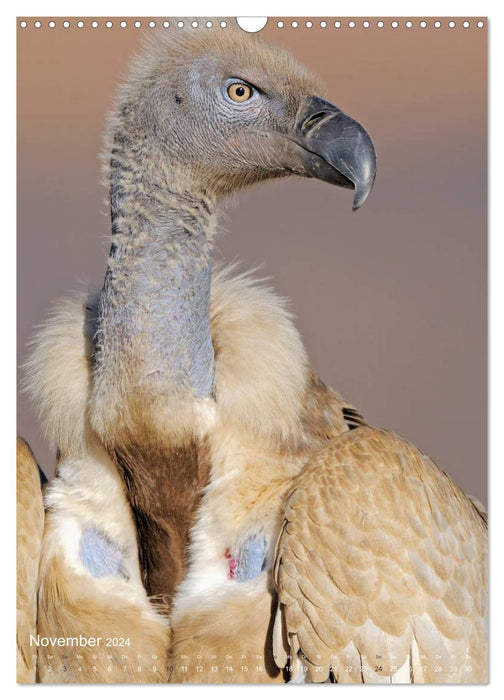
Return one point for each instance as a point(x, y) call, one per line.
point(380, 568)
point(30, 526)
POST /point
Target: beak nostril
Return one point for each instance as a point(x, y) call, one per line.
point(313, 120)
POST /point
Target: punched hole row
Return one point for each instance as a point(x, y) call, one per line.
point(366, 24)
point(323, 24)
point(123, 24)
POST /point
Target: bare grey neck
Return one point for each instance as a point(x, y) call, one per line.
point(154, 309)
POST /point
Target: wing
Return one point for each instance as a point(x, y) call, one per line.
point(380, 569)
point(91, 597)
point(30, 526)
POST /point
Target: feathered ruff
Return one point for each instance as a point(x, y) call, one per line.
point(270, 412)
point(262, 376)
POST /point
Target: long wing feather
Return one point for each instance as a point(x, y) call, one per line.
point(30, 526)
point(380, 568)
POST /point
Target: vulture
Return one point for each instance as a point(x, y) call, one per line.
point(218, 513)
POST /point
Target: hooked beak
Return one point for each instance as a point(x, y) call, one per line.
point(336, 148)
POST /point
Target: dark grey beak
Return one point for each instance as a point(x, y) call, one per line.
point(337, 149)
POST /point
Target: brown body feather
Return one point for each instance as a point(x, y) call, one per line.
point(163, 500)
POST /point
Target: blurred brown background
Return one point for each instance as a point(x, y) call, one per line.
point(391, 300)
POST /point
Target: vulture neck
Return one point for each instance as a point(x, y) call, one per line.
point(153, 355)
point(155, 303)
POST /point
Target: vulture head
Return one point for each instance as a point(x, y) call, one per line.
point(224, 110)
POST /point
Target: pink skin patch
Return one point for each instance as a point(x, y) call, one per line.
point(233, 563)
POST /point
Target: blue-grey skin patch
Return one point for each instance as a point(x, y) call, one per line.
point(187, 337)
point(160, 313)
point(251, 559)
point(100, 555)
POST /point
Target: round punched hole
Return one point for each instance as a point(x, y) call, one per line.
point(251, 24)
point(466, 25)
point(223, 24)
point(109, 24)
point(481, 24)
point(123, 24)
point(365, 24)
point(66, 24)
point(351, 24)
point(309, 25)
point(295, 25)
point(194, 24)
point(52, 24)
point(380, 24)
point(337, 25)
point(280, 25)
point(38, 24)
point(138, 24)
point(23, 24)
point(423, 24)
point(437, 24)
point(323, 25)
point(395, 24)
point(209, 24)
point(409, 24)
point(451, 24)
point(80, 24)
point(152, 24)
point(180, 24)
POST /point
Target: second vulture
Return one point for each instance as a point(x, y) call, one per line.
point(214, 500)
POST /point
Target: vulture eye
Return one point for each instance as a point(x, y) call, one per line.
point(239, 92)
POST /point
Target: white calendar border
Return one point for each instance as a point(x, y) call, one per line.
point(283, 8)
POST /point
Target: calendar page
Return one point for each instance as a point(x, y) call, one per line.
point(252, 350)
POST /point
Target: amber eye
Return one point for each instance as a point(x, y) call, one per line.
point(239, 92)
